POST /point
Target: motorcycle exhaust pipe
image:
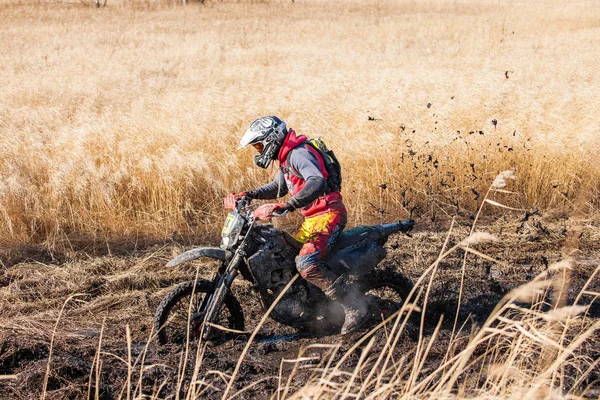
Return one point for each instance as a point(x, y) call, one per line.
point(400, 226)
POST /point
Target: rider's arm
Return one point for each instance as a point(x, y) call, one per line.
point(272, 190)
point(307, 165)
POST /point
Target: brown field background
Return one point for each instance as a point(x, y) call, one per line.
point(122, 122)
point(119, 125)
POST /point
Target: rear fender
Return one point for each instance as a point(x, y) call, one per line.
point(210, 252)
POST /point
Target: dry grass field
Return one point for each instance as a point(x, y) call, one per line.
point(118, 130)
point(122, 122)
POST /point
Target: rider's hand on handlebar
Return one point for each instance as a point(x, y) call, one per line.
point(267, 211)
point(231, 199)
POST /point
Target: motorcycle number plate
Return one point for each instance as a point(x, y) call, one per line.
point(229, 224)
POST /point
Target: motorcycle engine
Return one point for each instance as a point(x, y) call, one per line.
point(273, 265)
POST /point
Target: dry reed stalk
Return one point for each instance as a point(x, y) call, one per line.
point(586, 285)
point(222, 328)
point(129, 363)
point(200, 349)
point(250, 386)
point(208, 386)
point(142, 356)
point(419, 361)
point(47, 374)
point(375, 366)
point(251, 339)
point(457, 363)
point(536, 336)
point(561, 357)
point(365, 351)
point(422, 325)
point(334, 350)
point(498, 183)
point(397, 315)
point(184, 354)
point(96, 365)
point(592, 367)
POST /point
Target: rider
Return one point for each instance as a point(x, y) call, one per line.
point(303, 175)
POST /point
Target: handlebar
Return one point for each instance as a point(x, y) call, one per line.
point(280, 214)
point(242, 203)
point(245, 205)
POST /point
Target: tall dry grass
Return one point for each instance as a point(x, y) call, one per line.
point(506, 358)
point(122, 122)
point(532, 346)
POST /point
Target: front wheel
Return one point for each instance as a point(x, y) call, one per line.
point(182, 312)
point(386, 291)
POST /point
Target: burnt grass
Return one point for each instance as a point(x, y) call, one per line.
point(122, 289)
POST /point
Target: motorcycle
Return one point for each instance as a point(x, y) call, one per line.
point(264, 255)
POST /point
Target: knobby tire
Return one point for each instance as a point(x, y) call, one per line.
point(186, 289)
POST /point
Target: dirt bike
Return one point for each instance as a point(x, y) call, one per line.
point(264, 255)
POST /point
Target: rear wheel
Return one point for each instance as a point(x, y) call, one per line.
point(186, 304)
point(386, 291)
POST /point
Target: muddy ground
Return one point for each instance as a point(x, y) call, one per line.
point(123, 287)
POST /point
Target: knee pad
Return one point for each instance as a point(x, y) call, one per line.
point(306, 261)
point(309, 272)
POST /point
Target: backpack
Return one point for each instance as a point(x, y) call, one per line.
point(332, 165)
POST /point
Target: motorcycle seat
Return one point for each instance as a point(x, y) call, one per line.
point(349, 238)
point(356, 252)
point(353, 253)
point(346, 239)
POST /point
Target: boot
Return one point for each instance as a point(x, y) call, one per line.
point(356, 312)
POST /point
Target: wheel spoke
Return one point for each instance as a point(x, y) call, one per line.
point(183, 314)
point(174, 329)
point(182, 307)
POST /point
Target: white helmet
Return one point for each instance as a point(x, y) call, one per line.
point(268, 131)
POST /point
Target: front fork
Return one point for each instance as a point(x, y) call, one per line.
point(216, 299)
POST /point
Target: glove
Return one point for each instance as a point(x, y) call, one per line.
point(231, 199)
point(266, 210)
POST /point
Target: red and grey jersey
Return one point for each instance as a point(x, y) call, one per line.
point(304, 176)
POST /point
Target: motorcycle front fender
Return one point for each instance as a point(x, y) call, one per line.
point(210, 252)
